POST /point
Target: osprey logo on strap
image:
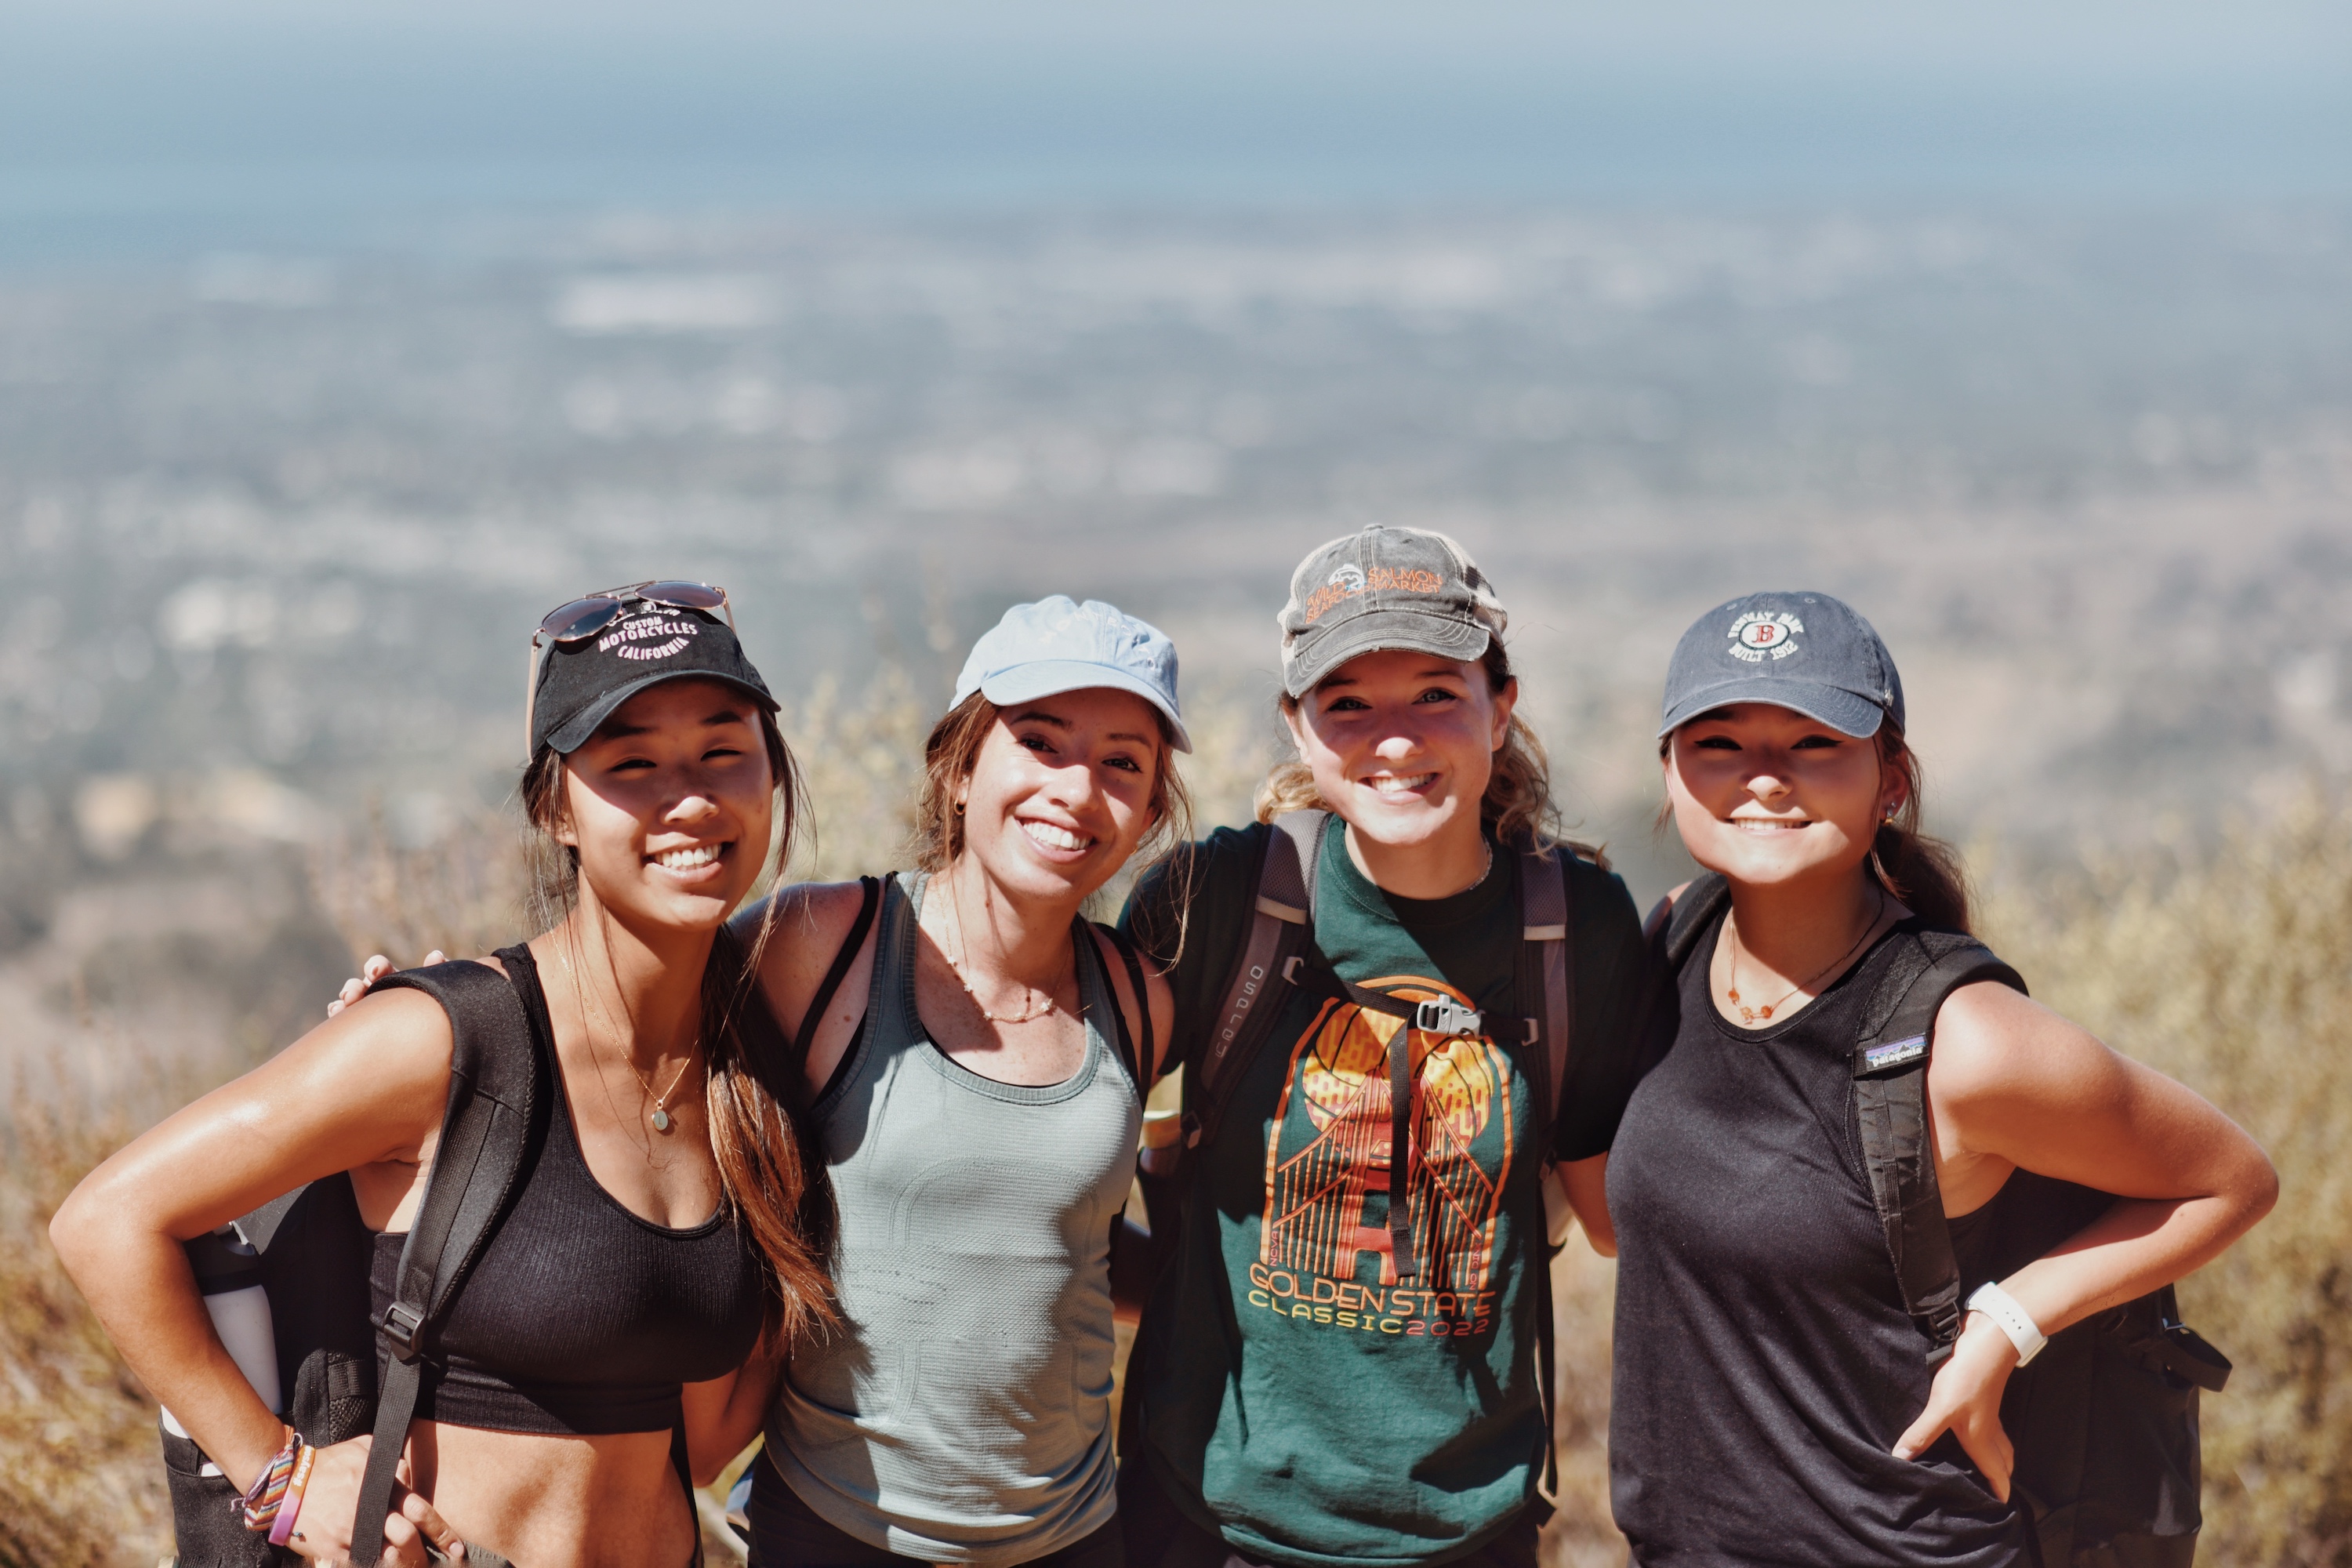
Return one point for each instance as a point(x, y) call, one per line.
point(1894, 1054)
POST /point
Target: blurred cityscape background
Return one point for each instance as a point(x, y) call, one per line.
point(337, 346)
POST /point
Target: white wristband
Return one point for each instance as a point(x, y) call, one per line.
point(2013, 1320)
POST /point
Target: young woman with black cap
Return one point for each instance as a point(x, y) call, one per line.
point(977, 1055)
point(653, 1240)
point(1325, 1374)
point(1774, 1400)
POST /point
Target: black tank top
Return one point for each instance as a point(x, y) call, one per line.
point(579, 1316)
point(1764, 1365)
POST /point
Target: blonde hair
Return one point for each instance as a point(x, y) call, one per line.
point(1516, 807)
point(953, 749)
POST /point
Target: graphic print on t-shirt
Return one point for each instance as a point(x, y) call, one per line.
point(1326, 1231)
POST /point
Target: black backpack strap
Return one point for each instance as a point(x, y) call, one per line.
point(1547, 967)
point(831, 984)
point(1547, 989)
point(1282, 925)
point(1890, 1104)
point(493, 1073)
point(1137, 1054)
point(1686, 918)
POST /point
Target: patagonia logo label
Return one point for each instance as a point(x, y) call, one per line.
point(1894, 1054)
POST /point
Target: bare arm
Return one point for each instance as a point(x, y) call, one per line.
point(2014, 1086)
point(1587, 1184)
point(724, 1415)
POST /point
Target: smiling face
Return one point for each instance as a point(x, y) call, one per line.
point(1768, 796)
point(670, 804)
point(1402, 744)
point(1060, 791)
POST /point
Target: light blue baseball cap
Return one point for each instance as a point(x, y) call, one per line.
point(1054, 646)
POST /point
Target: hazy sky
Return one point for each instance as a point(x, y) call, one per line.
point(116, 104)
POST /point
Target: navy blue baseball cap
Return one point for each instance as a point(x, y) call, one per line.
point(1805, 652)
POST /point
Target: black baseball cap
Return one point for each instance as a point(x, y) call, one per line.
point(1806, 652)
point(580, 683)
point(1384, 588)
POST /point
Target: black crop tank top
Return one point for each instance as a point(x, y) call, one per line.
point(1765, 1364)
point(579, 1316)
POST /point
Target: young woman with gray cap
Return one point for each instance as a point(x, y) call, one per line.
point(1342, 1359)
point(976, 1058)
point(1776, 1401)
point(650, 1239)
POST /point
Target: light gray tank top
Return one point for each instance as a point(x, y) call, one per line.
point(961, 1412)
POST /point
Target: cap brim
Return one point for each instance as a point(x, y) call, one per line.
point(1841, 710)
point(576, 731)
point(1051, 677)
point(1384, 631)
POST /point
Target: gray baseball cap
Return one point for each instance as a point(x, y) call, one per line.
point(1054, 646)
point(1384, 588)
point(1807, 652)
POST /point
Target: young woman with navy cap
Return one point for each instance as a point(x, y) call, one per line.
point(976, 1058)
point(1774, 1400)
point(652, 1239)
point(1342, 1361)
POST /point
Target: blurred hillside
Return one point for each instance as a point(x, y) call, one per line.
point(277, 525)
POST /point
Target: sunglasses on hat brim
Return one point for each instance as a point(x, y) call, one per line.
point(583, 618)
point(586, 617)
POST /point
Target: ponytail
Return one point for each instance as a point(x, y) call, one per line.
point(1923, 872)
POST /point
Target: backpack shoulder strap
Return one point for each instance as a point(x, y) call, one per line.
point(1546, 968)
point(493, 1079)
point(1282, 925)
point(839, 971)
point(1135, 1053)
point(1895, 1043)
point(1687, 917)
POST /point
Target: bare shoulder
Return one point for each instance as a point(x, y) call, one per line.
point(805, 925)
point(391, 1046)
point(1996, 1045)
point(808, 922)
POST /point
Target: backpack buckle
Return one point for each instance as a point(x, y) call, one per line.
point(400, 1324)
point(1443, 1016)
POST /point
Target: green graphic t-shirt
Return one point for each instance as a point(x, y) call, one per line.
point(1296, 1396)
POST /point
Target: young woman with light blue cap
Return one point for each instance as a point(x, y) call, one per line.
point(976, 1056)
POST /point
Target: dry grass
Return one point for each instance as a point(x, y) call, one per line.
point(2232, 972)
point(81, 1477)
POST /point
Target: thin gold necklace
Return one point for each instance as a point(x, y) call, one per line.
point(1750, 1016)
point(661, 1118)
point(955, 961)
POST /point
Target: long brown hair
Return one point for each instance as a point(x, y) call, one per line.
point(764, 1165)
point(1920, 869)
point(953, 749)
point(1516, 806)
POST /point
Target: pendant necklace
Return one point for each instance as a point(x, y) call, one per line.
point(955, 963)
point(1750, 1016)
point(661, 1119)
